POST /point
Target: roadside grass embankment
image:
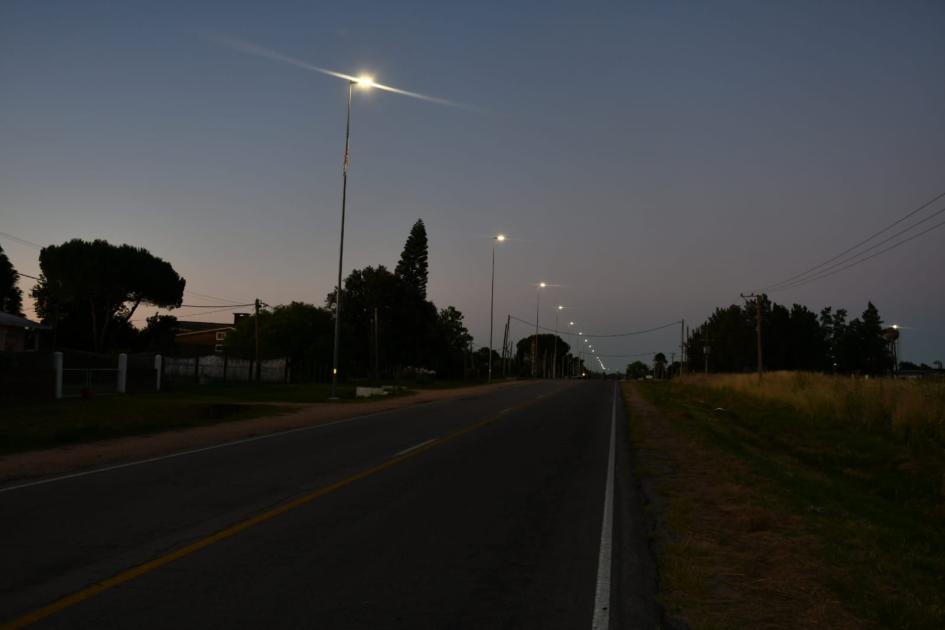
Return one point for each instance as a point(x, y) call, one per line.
point(802, 500)
point(30, 426)
point(48, 424)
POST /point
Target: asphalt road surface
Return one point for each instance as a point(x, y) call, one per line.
point(509, 509)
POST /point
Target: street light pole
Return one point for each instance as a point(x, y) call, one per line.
point(341, 251)
point(541, 285)
point(554, 360)
point(497, 239)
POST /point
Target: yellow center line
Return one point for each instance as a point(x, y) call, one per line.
point(229, 532)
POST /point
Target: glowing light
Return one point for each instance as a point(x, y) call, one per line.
point(542, 285)
point(560, 308)
point(362, 81)
point(500, 237)
point(570, 323)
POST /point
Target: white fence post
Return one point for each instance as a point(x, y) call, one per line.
point(158, 359)
point(57, 366)
point(122, 372)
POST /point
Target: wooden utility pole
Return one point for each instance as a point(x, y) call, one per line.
point(256, 305)
point(758, 308)
point(376, 350)
point(682, 347)
point(505, 348)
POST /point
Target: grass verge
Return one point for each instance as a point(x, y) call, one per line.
point(26, 427)
point(776, 513)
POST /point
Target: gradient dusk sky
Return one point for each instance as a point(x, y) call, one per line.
point(651, 159)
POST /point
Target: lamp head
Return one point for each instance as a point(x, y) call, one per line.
point(500, 237)
point(365, 82)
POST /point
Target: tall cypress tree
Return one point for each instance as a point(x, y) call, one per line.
point(11, 297)
point(413, 265)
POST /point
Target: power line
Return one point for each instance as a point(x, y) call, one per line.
point(854, 264)
point(21, 241)
point(216, 306)
point(863, 242)
point(213, 297)
point(848, 259)
point(219, 310)
point(25, 275)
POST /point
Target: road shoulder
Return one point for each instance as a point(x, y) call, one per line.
point(19, 467)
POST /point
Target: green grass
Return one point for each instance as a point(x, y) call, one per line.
point(38, 425)
point(872, 495)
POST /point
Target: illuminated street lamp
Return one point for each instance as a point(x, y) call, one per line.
point(498, 238)
point(541, 285)
point(365, 83)
point(554, 359)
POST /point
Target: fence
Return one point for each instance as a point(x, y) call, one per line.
point(73, 374)
point(216, 368)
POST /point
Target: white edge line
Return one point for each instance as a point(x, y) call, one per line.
point(602, 597)
point(413, 448)
point(194, 451)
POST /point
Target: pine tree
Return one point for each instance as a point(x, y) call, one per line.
point(11, 297)
point(413, 265)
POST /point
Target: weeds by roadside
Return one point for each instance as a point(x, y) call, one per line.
point(784, 508)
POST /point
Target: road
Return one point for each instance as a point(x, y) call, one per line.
point(483, 512)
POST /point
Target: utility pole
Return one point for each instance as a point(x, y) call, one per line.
point(505, 348)
point(377, 359)
point(705, 347)
point(256, 305)
point(757, 299)
point(682, 347)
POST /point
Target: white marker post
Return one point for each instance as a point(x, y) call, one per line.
point(158, 361)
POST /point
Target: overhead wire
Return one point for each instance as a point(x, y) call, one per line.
point(801, 277)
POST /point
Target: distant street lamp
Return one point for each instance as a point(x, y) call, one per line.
point(365, 83)
point(497, 239)
point(571, 369)
point(541, 285)
point(554, 360)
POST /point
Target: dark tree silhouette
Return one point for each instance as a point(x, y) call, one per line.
point(413, 267)
point(98, 286)
point(11, 297)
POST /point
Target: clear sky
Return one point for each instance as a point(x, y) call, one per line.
point(652, 158)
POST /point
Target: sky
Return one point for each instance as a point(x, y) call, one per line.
point(650, 160)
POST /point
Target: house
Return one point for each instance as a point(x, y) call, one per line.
point(203, 337)
point(18, 334)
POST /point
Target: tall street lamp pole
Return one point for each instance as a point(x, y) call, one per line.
point(541, 285)
point(554, 360)
point(497, 239)
point(341, 250)
point(366, 83)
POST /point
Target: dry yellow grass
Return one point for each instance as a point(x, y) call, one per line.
point(910, 408)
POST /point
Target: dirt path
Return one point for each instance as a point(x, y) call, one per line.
point(66, 459)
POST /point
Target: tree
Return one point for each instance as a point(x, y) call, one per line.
point(158, 335)
point(545, 350)
point(637, 369)
point(413, 265)
point(302, 332)
point(11, 297)
point(659, 364)
point(937, 364)
point(100, 285)
point(874, 352)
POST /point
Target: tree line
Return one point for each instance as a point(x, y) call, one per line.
point(88, 292)
point(794, 338)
